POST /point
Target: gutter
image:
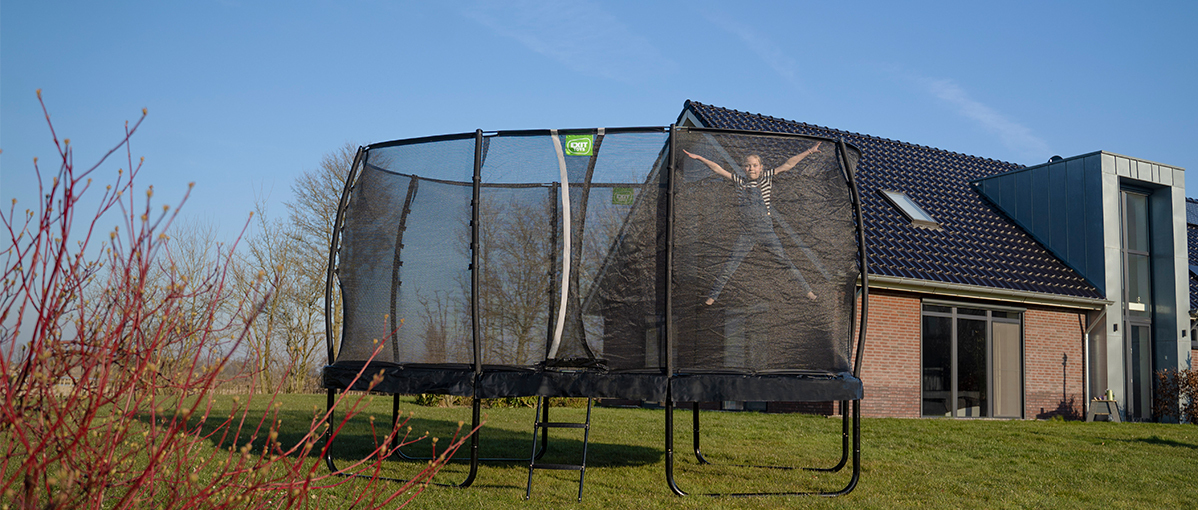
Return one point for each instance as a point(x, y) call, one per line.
point(989, 293)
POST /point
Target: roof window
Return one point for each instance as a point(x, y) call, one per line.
point(910, 209)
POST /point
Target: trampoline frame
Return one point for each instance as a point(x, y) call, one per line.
point(850, 409)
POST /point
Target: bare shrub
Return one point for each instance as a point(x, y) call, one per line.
point(109, 357)
point(1176, 395)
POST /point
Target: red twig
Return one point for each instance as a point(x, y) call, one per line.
point(94, 409)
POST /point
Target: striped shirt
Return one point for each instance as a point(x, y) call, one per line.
point(764, 184)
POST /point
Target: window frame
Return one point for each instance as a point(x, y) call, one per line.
point(910, 209)
point(953, 315)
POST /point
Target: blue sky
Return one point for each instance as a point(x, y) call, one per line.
point(244, 96)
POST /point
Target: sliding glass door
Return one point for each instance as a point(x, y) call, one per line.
point(972, 362)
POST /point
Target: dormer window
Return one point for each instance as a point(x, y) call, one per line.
point(910, 209)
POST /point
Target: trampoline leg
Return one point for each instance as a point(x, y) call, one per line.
point(401, 455)
point(544, 432)
point(670, 446)
point(844, 441)
point(475, 417)
point(856, 453)
point(328, 438)
point(856, 457)
point(328, 451)
point(698, 454)
point(533, 455)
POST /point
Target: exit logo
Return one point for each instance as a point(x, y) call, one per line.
point(579, 145)
point(622, 196)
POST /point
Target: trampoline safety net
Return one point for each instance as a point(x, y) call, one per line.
point(598, 266)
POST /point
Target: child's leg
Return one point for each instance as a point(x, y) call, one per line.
point(740, 249)
point(802, 246)
point(772, 244)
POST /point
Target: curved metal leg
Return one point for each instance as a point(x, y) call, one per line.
point(474, 441)
point(544, 446)
point(855, 477)
point(698, 454)
point(844, 442)
point(670, 446)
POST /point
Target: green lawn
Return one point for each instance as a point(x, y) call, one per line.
point(907, 463)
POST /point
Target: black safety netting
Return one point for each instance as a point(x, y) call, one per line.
point(765, 255)
point(574, 257)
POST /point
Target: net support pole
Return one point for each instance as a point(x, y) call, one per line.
point(567, 230)
point(576, 253)
point(331, 270)
point(475, 271)
point(667, 323)
point(851, 174)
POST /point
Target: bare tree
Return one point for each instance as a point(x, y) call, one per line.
point(292, 254)
point(193, 260)
point(313, 212)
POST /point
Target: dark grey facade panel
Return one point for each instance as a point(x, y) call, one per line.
point(1059, 205)
point(1095, 259)
point(1025, 206)
point(1075, 188)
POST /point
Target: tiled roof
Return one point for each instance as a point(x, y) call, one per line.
point(977, 244)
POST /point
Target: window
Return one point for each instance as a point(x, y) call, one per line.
point(972, 361)
point(1137, 299)
point(910, 209)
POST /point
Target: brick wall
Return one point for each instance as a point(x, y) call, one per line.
point(890, 367)
point(1052, 361)
point(1052, 382)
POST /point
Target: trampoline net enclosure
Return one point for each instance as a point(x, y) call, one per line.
point(594, 261)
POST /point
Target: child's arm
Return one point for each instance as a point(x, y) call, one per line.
point(711, 164)
point(794, 160)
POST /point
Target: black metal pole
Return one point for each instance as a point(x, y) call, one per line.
point(330, 270)
point(475, 205)
point(695, 432)
point(328, 439)
point(851, 173)
point(667, 323)
point(396, 263)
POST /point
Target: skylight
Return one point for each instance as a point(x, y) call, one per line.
point(910, 209)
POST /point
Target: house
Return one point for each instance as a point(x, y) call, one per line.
point(1011, 291)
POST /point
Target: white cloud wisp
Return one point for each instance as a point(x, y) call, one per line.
point(1013, 135)
point(577, 34)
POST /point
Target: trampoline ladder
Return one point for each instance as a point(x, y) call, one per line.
point(539, 426)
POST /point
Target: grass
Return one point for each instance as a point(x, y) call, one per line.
point(906, 462)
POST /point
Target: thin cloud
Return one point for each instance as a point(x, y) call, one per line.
point(770, 53)
point(1013, 135)
point(577, 34)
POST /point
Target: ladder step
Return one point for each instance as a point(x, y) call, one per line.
point(564, 467)
point(562, 425)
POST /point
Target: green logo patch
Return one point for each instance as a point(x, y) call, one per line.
point(621, 196)
point(579, 145)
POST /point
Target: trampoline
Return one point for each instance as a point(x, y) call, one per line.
point(661, 264)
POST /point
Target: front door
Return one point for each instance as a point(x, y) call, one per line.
point(1139, 355)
